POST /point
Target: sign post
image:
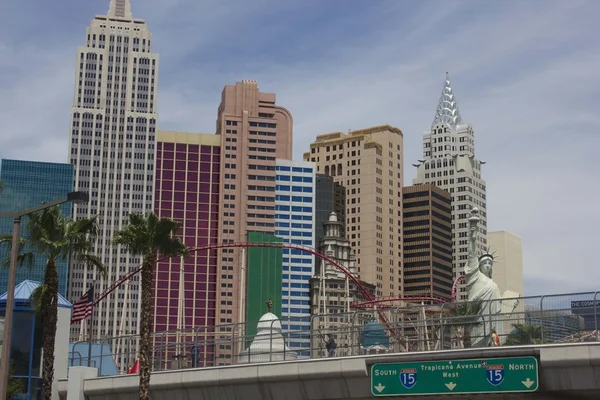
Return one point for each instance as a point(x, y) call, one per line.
point(491, 375)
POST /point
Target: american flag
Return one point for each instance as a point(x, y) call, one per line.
point(84, 307)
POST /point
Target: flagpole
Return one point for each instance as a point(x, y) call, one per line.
point(91, 325)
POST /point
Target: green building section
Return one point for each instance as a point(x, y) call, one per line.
point(263, 280)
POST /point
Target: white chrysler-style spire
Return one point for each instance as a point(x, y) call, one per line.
point(120, 9)
point(447, 110)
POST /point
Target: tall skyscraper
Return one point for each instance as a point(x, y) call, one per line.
point(449, 162)
point(295, 224)
point(368, 163)
point(254, 133)
point(187, 190)
point(427, 242)
point(28, 184)
point(113, 125)
point(507, 271)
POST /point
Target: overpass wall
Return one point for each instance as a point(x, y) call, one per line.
point(566, 371)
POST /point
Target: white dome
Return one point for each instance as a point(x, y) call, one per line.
point(268, 344)
point(333, 217)
point(268, 322)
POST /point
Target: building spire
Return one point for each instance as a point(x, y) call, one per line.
point(447, 109)
point(120, 9)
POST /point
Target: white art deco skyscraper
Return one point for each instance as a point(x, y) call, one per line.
point(113, 124)
point(449, 162)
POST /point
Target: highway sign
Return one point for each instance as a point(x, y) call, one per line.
point(490, 375)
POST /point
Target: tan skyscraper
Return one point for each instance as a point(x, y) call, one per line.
point(368, 162)
point(254, 133)
point(508, 264)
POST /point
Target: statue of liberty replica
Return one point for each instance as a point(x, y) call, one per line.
point(494, 310)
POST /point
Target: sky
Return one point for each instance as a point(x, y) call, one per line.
point(525, 75)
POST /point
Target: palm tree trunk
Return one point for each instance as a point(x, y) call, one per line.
point(49, 320)
point(146, 326)
point(467, 337)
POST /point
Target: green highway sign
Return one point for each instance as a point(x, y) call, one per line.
point(490, 375)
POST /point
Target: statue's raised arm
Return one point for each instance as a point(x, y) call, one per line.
point(473, 261)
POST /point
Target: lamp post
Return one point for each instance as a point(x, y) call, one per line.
point(73, 197)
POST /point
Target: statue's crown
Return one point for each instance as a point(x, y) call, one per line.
point(488, 253)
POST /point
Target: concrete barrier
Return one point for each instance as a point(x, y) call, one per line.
point(566, 370)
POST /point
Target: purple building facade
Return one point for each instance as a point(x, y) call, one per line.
point(185, 289)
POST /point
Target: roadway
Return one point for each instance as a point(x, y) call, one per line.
point(566, 371)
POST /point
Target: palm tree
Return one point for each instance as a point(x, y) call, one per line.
point(152, 238)
point(16, 386)
point(523, 334)
point(464, 316)
point(52, 235)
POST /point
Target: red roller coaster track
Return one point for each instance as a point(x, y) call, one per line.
point(370, 299)
point(307, 249)
point(459, 279)
point(379, 300)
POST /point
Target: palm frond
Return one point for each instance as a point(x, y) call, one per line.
point(523, 334)
point(147, 233)
point(136, 236)
point(174, 247)
point(87, 226)
point(95, 261)
point(465, 313)
point(6, 240)
point(37, 297)
point(43, 228)
point(24, 258)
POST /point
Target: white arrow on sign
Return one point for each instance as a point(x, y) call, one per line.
point(379, 388)
point(451, 385)
point(528, 383)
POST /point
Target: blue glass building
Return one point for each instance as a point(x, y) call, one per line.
point(295, 223)
point(28, 184)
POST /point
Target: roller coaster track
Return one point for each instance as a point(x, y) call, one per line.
point(459, 279)
point(370, 298)
point(411, 299)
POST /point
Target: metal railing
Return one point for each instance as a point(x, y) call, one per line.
point(413, 327)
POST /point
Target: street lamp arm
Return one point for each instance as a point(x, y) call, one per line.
point(73, 197)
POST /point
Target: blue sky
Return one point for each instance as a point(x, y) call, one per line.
point(525, 74)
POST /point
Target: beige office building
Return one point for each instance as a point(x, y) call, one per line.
point(254, 133)
point(368, 162)
point(508, 261)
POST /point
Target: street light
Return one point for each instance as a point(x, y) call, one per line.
point(72, 197)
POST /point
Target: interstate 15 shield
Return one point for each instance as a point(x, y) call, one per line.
point(495, 374)
point(408, 377)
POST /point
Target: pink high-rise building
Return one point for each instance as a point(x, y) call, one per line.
point(253, 132)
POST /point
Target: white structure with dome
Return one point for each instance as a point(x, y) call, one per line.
point(268, 344)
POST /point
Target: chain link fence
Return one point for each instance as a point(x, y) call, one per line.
point(539, 320)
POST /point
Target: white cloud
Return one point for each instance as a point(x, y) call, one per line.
point(524, 75)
